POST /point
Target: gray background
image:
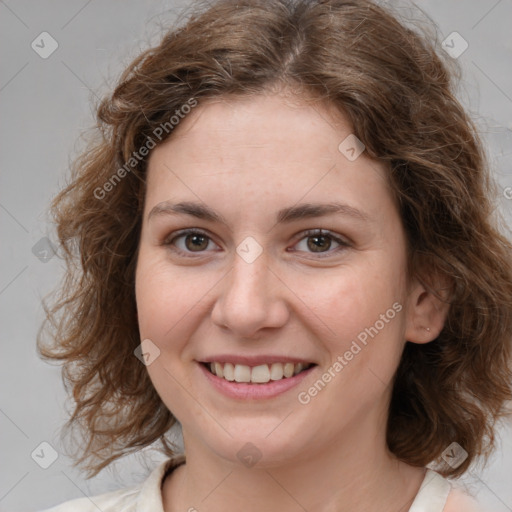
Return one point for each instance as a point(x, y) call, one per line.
point(45, 106)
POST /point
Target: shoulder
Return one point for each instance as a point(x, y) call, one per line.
point(116, 501)
point(440, 494)
point(458, 500)
point(127, 499)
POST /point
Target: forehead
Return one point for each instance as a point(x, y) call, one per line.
point(238, 124)
point(262, 149)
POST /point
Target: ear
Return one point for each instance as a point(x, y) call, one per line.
point(426, 313)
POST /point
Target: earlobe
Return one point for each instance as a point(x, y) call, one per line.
point(426, 313)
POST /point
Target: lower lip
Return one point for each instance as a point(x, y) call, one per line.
point(247, 391)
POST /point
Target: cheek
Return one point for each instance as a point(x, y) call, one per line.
point(168, 299)
point(361, 313)
point(364, 315)
point(156, 291)
point(165, 299)
point(356, 298)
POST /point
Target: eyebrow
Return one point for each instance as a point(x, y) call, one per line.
point(285, 215)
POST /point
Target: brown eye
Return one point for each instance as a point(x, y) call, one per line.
point(194, 242)
point(188, 241)
point(320, 242)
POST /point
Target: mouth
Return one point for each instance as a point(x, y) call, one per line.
point(258, 375)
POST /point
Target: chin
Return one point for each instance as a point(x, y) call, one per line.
point(260, 444)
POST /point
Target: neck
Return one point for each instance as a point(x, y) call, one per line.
point(355, 473)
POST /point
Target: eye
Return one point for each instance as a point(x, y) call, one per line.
point(319, 242)
point(194, 240)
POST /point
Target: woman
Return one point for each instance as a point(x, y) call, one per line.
point(287, 246)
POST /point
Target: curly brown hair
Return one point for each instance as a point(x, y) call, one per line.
point(398, 94)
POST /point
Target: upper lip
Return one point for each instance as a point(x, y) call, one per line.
point(253, 360)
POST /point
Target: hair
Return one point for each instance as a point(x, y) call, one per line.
point(398, 94)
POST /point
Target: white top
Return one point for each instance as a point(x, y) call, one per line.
point(147, 497)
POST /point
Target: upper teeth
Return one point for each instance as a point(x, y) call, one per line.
point(257, 374)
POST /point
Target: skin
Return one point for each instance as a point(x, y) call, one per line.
point(247, 158)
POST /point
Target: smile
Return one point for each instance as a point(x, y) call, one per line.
point(260, 374)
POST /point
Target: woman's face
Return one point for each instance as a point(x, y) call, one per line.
point(255, 289)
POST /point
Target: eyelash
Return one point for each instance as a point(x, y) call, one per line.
point(306, 234)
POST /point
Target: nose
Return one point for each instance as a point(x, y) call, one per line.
point(251, 297)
